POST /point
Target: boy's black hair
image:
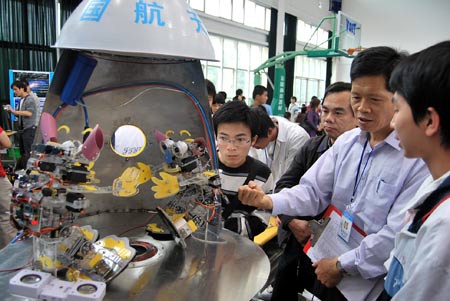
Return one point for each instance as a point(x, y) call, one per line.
point(210, 88)
point(19, 84)
point(223, 93)
point(258, 90)
point(423, 79)
point(233, 112)
point(239, 92)
point(220, 98)
point(264, 121)
point(376, 61)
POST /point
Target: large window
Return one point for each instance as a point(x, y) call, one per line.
point(308, 34)
point(309, 78)
point(246, 12)
point(231, 73)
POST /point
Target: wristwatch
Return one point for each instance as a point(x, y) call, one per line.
point(340, 268)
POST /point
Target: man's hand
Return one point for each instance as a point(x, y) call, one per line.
point(253, 195)
point(300, 229)
point(327, 272)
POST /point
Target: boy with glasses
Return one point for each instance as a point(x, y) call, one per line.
point(235, 126)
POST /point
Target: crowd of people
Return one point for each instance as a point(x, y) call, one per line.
point(376, 150)
point(382, 162)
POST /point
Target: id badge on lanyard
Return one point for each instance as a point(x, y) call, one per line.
point(345, 227)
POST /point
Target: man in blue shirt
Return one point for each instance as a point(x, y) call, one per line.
point(260, 97)
point(363, 174)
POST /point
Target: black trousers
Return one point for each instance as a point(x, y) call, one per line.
point(294, 266)
point(26, 139)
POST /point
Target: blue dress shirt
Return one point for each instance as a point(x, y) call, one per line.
point(386, 182)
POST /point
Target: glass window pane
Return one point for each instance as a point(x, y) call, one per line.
point(255, 56)
point(217, 44)
point(238, 11)
point(225, 9)
point(305, 67)
point(313, 89)
point(228, 82)
point(265, 54)
point(296, 88)
point(242, 81)
point(323, 69)
point(212, 7)
point(229, 53)
point(243, 55)
point(249, 13)
point(197, 4)
point(260, 16)
point(303, 91)
point(268, 18)
point(321, 89)
point(213, 75)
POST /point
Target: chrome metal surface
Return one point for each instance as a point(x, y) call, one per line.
point(234, 270)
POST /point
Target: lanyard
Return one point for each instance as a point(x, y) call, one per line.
point(358, 178)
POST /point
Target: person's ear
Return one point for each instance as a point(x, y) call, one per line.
point(432, 122)
point(254, 139)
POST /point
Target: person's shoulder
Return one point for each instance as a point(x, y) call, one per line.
point(349, 136)
point(258, 165)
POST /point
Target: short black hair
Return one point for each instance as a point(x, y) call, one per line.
point(219, 98)
point(337, 87)
point(293, 97)
point(19, 84)
point(423, 79)
point(239, 92)
point(233, 112)
point(374, 61)
point(264, 121)
point(210, 88)
point(258, 90)
point(223, 93)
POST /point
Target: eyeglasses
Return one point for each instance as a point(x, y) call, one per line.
point(241, 141)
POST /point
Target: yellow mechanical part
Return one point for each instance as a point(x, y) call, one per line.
point(185, 132)
point(88, 130)
point(169, 132)
point(72, 274)
point(118, 245)
point(209, 173)
point(47, 262)
point(166, 186)
point(126, 185)
point(89, 187)
point(168, 169)
point(187, 140)
point(87, 234)
point(145, 173)
point(154, 228)
point(91, 165)
point(175, 216)
point(192, 225)
point(64, 127)
point(95, 260)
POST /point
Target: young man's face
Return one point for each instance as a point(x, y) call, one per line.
point(18, 91)
point(234, 141)
point(372, 104)
point(215, 107)
point(261, 99)
point(411, 135)
point(337, 114)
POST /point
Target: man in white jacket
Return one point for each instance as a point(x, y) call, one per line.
point(277, 143)
point(420, 265)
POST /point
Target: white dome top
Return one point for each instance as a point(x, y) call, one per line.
point(143, 28)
